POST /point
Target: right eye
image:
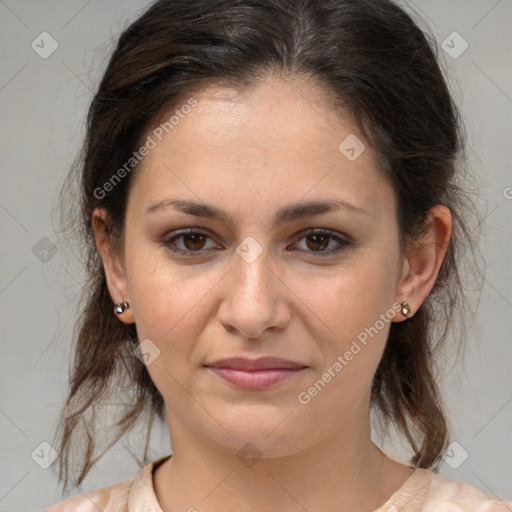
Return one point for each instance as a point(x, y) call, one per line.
point(193, 240)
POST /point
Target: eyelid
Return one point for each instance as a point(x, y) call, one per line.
point(325, 231)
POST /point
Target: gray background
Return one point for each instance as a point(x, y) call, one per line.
point(43, 104)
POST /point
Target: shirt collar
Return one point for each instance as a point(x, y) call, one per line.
point(142, 497)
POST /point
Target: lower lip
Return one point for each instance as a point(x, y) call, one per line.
point(254, 380)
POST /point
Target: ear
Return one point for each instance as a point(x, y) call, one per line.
point(114, 269)
point(421, 267)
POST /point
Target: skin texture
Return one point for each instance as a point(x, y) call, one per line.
point(250, 154)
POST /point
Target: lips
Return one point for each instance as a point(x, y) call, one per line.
point(262, 363)
point(255, 374)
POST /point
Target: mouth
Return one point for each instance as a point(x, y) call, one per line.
point(255, 374)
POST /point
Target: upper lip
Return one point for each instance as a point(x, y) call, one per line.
point(261, 363)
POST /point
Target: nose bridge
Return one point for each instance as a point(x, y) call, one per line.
point(252, 303)
point(252, 275)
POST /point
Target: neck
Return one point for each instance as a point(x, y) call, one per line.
point(345, 472)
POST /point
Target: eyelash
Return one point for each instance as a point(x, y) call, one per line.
point(168, 242)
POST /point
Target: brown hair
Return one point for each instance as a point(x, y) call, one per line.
point(376, 63)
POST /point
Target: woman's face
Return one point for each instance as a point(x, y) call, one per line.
point(255, 280)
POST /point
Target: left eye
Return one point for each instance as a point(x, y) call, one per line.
point(194, 240)
point(318, 240)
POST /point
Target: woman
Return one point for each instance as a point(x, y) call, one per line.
point(270, 202)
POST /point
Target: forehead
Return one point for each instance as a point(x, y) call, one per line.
point(278, 140)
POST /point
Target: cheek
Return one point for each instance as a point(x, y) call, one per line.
point(170, 310)
point(168, 302)
point(353, 311)
point(351, 297)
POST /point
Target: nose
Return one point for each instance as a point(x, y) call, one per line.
point(256, 298)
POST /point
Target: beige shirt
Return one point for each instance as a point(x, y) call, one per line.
point(423, 491)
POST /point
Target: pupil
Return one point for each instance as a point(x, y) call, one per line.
point(195, 237)
point(316, 237)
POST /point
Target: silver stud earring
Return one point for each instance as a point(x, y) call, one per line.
point(406, 310)
point(121, 308)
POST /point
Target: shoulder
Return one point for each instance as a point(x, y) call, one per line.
point(113, 498)
point(427, 491)
point(135, 495)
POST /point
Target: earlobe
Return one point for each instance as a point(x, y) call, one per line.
point(121, 312)
point(425, 258)
point(114, 272)
point(405, 309)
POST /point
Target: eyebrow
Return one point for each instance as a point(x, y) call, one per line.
point(285, 214)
